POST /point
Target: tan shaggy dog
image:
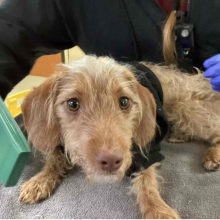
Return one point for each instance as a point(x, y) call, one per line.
point(79, 108)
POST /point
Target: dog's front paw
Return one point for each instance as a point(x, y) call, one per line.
point(212, 159)
point(177, 138)
point(35, 190)
point(157, 213)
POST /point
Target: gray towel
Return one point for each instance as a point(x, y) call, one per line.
point(186, 187)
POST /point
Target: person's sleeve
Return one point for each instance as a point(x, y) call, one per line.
point(28, 30)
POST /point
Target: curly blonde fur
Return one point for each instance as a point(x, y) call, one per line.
point(191, 105)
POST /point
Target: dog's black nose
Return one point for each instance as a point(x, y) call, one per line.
point(110, 161)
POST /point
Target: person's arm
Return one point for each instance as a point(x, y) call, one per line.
point(212, 66)
point(28, 30)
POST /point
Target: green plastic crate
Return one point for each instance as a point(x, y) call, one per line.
point(14, 150)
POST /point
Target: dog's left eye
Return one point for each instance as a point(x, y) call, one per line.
point(73, 104)
point(124, 103)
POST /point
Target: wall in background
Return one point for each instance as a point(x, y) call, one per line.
point(74, 53)
point(45, 65)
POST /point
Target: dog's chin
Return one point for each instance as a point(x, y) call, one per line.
point(105, 178)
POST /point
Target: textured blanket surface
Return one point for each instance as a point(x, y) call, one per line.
point(185, 186)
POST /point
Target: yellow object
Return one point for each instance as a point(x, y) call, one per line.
point(12, 103)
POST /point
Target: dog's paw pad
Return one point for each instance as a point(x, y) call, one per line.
point(33, 191)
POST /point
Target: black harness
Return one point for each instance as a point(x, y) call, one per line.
point(139, 162)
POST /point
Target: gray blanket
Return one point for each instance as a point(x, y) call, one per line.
point(186, 187)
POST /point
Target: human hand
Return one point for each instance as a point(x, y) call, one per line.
point(212, 66)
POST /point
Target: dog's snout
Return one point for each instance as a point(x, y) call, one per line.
point(110, 161)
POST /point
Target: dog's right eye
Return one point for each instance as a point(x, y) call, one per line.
point(124, 103)
point(73, 104)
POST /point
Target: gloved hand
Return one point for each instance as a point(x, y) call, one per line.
point(212, 66)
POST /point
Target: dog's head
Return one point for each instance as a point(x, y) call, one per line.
point(95, 107)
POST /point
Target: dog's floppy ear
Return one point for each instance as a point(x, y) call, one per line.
point(39, 116)
point(147, 126)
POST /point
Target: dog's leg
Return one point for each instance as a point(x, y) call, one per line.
point(199, 120)
point(177, 136)
point(151, 204)
point(40, 186)
point(212, 158)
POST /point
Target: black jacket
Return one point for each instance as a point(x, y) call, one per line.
point(127, 30)
point(149, 80)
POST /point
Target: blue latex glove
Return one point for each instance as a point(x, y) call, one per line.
point(212, 66)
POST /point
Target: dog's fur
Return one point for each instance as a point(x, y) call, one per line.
point(191, 105)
